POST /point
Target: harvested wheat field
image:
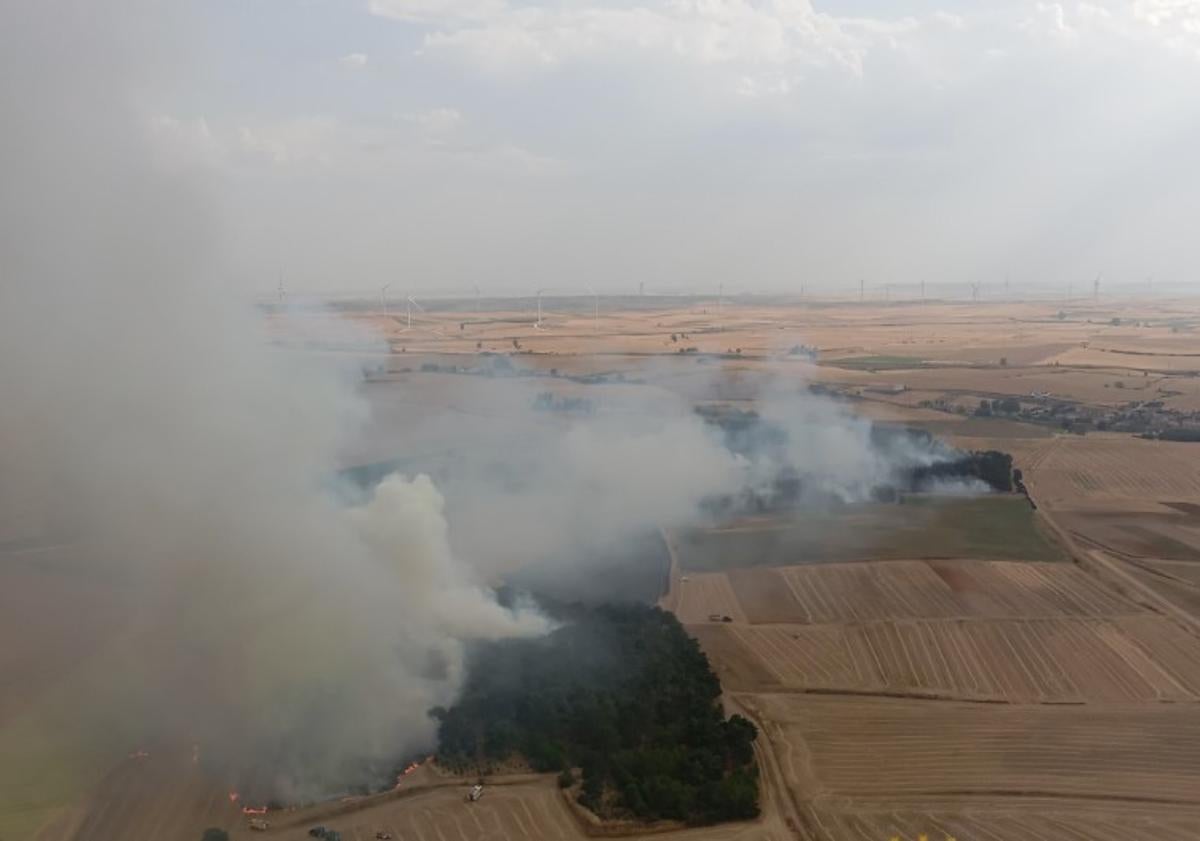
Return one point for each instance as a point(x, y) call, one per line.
point(1075, 661)
point(995, 819)
point(819, 594)
point(704, 595)
point(1097, 469)
point(530, 809)
point(505, 813)
point(889, 750)
point(160, 795)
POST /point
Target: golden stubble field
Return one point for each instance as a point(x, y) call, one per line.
point(966, 697)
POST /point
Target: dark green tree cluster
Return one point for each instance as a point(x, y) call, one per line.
point(1177, 434)
point(991, 466)
point(621, 692)
point(999, 406)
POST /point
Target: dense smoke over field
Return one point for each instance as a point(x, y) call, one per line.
point(188, 464)
point(631, 461)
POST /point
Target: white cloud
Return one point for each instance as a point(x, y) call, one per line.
point(438, 121)
point(749, 138)
point(781, 33)
point(437, 11)
point(957, 22)
point(1184, 14)
point(748, 35)
point(354, 61)
point(297, 141)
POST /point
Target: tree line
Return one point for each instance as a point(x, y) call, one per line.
point(623, 694)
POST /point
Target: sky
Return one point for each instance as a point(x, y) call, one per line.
point(684, 144)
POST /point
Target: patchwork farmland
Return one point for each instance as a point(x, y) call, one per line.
point(1032, 661)
point(862, 592)
point(966, 668)
point(980, 696)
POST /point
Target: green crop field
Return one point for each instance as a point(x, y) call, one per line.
point(876, 363)
point(995, 527)
point(56, 749)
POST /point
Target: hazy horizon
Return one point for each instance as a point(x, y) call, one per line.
point(439, 145)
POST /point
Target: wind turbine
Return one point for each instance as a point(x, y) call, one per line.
point(477, 308)
point(280, 290)
point(383, 296)
point(412, 302)
point(538, 324)
point(975, 291)
point(922, 289)
point(862, 290)
point(1096, 287)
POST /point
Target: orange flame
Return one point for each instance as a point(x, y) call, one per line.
point(410, 768)
point(254, 810)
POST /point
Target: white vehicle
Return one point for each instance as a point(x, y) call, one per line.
point(475, 793)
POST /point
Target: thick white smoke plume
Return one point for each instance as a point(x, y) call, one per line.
point(152, 433)
point(405, 524)
point(837, 451)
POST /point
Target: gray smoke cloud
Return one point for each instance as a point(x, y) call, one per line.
point(837, 451)
point(547, 472)
point(174, 451)
point(153, 429)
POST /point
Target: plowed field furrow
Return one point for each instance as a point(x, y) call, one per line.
point(1167, 645)
point(1100, 671)
point(1045, 823)
point(863, 747)
point(799, 655)
point(1043, 660)
point(868, 592)
point(1080, 469)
